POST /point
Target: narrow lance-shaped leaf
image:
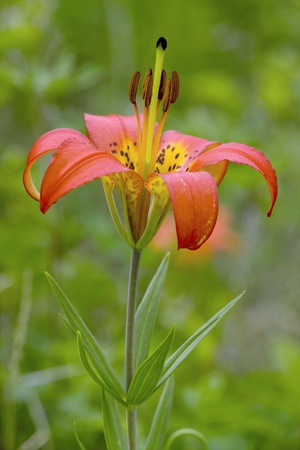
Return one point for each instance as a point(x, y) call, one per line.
point(95, 376)
point(85, 361)
point(147, 375)
point(98, 358)
point(186, 348)
point(147, 312)
point(158, 430)
point(81, 446)
point(114, 434)
point(187, 432)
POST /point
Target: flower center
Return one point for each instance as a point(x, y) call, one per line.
point(156, 90)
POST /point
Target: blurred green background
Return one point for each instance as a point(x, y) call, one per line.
point(239, 67)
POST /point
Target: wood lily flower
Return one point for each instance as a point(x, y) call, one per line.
point(152, 171)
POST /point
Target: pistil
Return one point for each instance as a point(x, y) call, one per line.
point(161, 46)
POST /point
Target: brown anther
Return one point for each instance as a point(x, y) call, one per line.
point(175, 86)
point(146, 81)
point(167, 96)
point(147, 87)
point(162, 85)
point(133, 87)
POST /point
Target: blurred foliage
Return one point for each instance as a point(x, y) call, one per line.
point(240, 80)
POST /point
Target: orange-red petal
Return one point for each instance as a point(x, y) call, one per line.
point(114, 134)
point(194, 198)
point(241, 154)
point(104, 130)
point(74, 163)
point(46, 143)
point(177, 151)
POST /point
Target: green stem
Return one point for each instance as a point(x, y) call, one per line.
point(129, 342)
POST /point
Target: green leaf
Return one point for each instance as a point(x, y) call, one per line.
point(106, 373)
point(144, 382)
point(186, 348)
point(95, 376)
point(85, 361)
point(158, 430)
point(81, 446)
point(187, 432)
point(147, 312)
point(114, 434)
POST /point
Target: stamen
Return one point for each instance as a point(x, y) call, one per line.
point(162, 86)
point(133, 87)
point(175, 86)
point(147, 87)
point(132, 91)
point(167, 96)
